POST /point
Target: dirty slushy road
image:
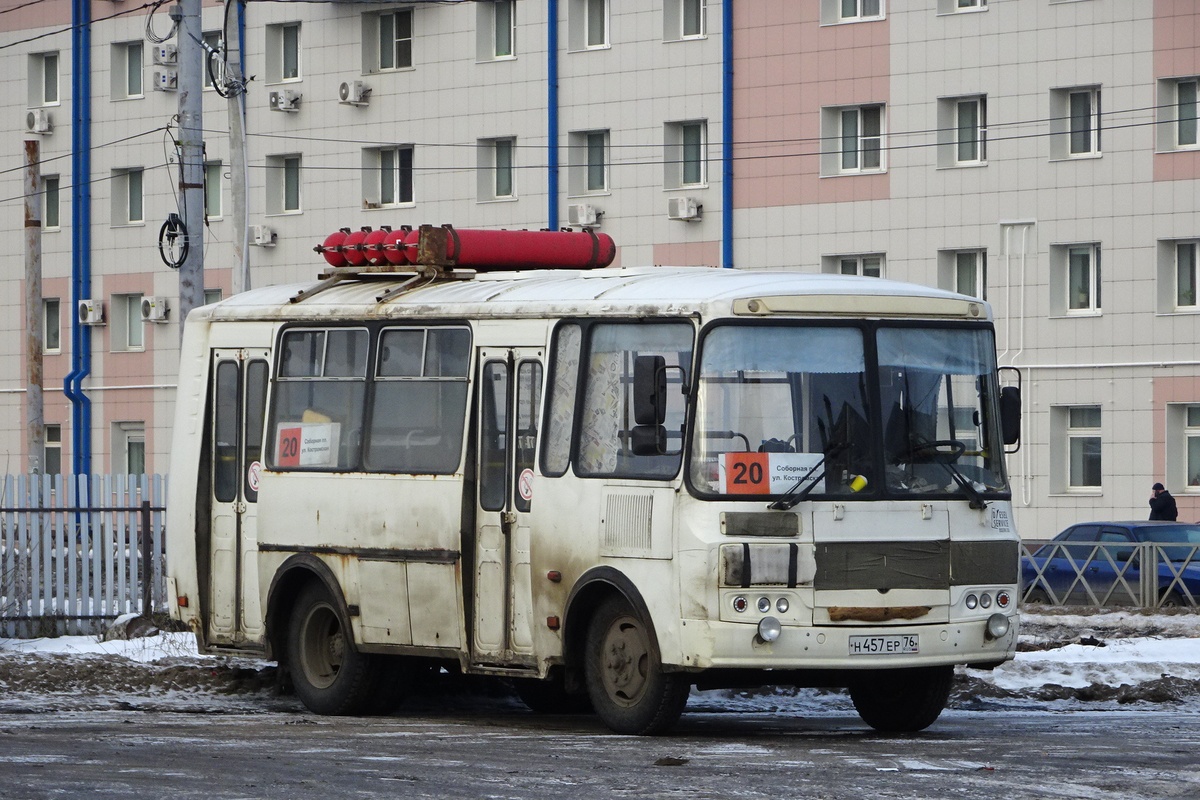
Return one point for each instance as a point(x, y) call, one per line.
point(498, 750)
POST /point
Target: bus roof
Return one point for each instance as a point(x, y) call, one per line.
point(641, 291)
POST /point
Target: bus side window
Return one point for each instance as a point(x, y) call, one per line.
point(560, 413)
point(318, 404)
point(605, 443)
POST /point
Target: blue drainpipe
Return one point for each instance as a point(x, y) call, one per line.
point(727, 134)
point(552, 113)
point(81, 235)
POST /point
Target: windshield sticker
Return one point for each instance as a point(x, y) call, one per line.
point(769, 473)
point(307, 444)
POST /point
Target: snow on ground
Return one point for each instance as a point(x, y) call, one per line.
point(1067, 659)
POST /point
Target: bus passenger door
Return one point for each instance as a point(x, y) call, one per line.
point(239, 395)
point(510, 391)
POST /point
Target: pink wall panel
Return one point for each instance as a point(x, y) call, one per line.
point(1176, 55)
point(786, 68)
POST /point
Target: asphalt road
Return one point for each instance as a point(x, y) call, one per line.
point(501, 751)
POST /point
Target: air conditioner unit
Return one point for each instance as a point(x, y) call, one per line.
point(354, 93)
point(285, 100)
point(38, 121)
point(166, 80)
point(262, 236)
point(166, 54)
point(685, 208)
point(91, 312)
point(154, 309)
point(583, 214)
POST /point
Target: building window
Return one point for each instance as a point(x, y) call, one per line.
point(686, 158)
point(958, 6)
point(51, 325)
point(1187, 255)
point(392, 35)
point(212, 57)
point(43, 79)
point(129, 448)
point(211, 296)
point(127, 204)
point(971, 130)
point(126, 324)
point(1083, 447)
point(588, 24)
point(1075, 122)
point(51, 218)
point(1083, 278)
point(283, 184)
point(685, 19)
point(835, 11)
point(1191, 434)
point(869, 265)
point(52, 451)
point(588, 151)
point(963, 271)
point(388, 176)
point(127, 70)
point(496, 169)
point(283, 52)
point(496, 27)
point(854, 138)
point(1177, 114)
point(962, 131)
point(213, 178)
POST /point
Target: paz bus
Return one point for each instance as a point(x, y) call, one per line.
point(491, 453)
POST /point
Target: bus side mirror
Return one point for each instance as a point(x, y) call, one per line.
point(1010, 414)
point(648, 440)
point(649, 390)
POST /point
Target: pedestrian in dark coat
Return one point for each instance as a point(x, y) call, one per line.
point(1162, 505)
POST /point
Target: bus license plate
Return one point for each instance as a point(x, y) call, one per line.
point(884, 645)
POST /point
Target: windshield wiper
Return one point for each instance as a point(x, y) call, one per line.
point(795, 494)
point(977, 500)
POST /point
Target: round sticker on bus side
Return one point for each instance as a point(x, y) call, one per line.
point(525, 485)
point(253, 474)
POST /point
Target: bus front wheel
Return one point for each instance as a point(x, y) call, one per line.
point(902, 700)
point(329, 675)
point(629, 690)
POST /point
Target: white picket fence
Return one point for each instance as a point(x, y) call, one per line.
point(78, 551)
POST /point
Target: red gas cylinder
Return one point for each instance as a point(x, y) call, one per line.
point(353, 248)
point(393, 246)
point(373, 246)
point(331, 248)
point(484, 251)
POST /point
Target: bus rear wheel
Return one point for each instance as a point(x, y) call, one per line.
point(628, 687)
point(902, 700)
point(329, 675)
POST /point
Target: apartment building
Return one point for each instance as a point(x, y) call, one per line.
point(1042, 154)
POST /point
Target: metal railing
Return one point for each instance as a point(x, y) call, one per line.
point(1145, 575)
point(78, 552)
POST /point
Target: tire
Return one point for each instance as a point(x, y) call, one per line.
point(1037, 596)
point(329, 675)
point(551, 697)
point(902, 700)
point(626, 683)
point(1173, 599)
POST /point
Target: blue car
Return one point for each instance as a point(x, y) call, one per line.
point(1104, 563)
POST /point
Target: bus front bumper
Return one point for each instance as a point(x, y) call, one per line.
point(707, 644)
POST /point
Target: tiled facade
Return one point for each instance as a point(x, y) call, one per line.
point(1078, 173)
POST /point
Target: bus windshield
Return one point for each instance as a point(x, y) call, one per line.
point(788, 411)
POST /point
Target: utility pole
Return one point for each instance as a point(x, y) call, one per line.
point(192, 59)
point(35, 420)
point(235, 87)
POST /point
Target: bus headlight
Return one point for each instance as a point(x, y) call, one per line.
point(997, 627)
point(769, 629)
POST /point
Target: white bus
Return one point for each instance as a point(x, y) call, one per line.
point(607, 486)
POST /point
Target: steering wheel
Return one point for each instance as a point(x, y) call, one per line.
point(940, 451)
